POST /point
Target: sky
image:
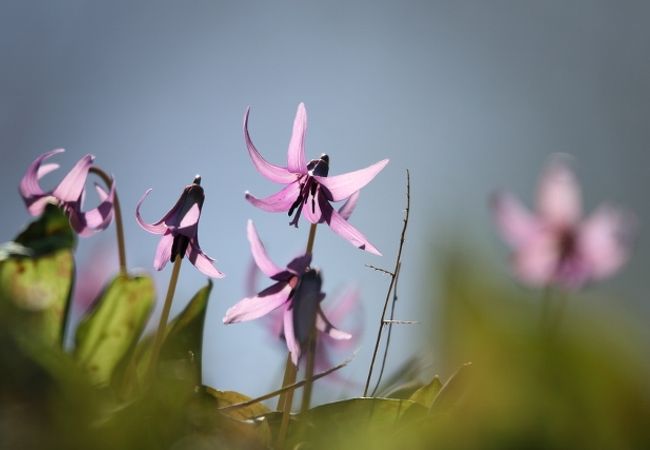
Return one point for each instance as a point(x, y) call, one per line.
point(470, 96)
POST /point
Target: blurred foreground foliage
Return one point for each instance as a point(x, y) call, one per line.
point(569, 378)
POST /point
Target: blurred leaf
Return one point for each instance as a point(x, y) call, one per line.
point(113, 326)
point(452, 391)
point(227, 398)
point(425, 395)
point(35, 290)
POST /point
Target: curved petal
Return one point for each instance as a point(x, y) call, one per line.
point(348, 207)
point(258, 251)
point(163, 251)
point(29, 187)
point(94, 220)
point(324, 325)
point(72, 185)
point(278, 202)
point(289, 335)
point(312, 208)
point(299, 264)
point(340, 187)
point(251, 308)
point(604, 241)
point(271, 171)
point(201, 261)
point(156, 227)
point(296, 153)
point(559, 200)
point(343, 228)
point(515, 223)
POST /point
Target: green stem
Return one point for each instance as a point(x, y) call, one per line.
point(117, 213)
point(286, 400)
point(164, 317)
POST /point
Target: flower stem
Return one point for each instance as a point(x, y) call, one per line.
point(311, 343)
point(311, 238)
point(117, 212)
point(164, 317)
point(286, 400)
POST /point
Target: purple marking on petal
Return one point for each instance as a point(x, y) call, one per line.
point(324, 325)
point(340, 187)
point(296, 153)
point(278, 202)
point(289, 336)
point(29, 187)
point(72, 185)
point(312, 207)
point(201, 261)
point(155, 228)
point(559, 200)
point(271, 171)
point(299, 264)
point(251, 308)
point(258, 251)
point(516, 224)
point(343, 228)
point(163, 251)
point(348, 207)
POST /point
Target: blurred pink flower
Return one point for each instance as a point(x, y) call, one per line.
point(308, 188)
point(68, 194)
point(555, 245)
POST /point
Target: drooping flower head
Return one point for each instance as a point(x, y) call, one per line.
point(68, 194)
point(297, 290)
point(179, 229)
point(309, 190)
point(555, 245)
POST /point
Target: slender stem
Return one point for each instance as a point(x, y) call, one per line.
point(309, 368)
point(164, 317)
point(311, 238)
point(393, 279)
point(290, 377)
point(117, 213)
point(285, 383)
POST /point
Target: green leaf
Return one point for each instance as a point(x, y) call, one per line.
point(452, 391)
point(228, 398)
point(36, 277)
point(426, 394)
point(114, 325)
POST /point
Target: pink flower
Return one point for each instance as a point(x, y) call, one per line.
point(308, 188)
point(179, 229)
point(297, 290)
point(555, 245)
point(68, 194)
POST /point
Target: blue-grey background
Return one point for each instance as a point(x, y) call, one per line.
point(469, 95)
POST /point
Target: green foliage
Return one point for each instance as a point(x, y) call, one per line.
point(36, 278)
point(105, 336)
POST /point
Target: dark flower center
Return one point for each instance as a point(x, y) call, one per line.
point(309, 187)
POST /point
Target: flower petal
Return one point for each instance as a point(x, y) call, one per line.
point(72, 185)
point(604, 241)
point(348, 207)
point(271, 171)
point(340, 187)
point(296, 153)
point(289, 336)
point(559, 200)
point(163, 251)
point(30, 189)
point(94, 220)
point(201, 261)
point(299, 264)
point(324, 325)
point(251, 308)
point(258, 251)
point(343, 228)
point(155, 228)
point(312, 207)
point(515, 223)
point(536, 263)
point(278, 202)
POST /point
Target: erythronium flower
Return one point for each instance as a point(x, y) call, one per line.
point(308, 188)
point(555, 245)
point(68, 194)
point(297, 290)
point(179, 229)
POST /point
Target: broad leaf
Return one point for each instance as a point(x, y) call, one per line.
point(113, 326)
point(427, 393)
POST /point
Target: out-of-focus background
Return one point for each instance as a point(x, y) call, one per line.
point(470, 96)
